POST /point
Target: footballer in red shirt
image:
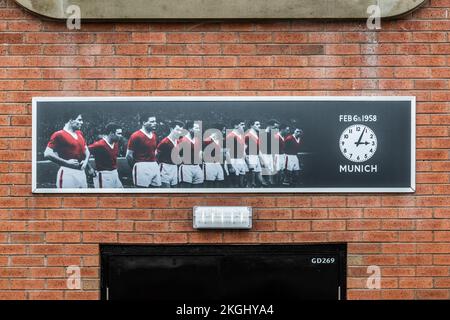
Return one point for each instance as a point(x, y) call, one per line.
point(67, 148)
point(235, 146)
point(141, 155)
point(190, 173)
point(269, 146)
point(280, 156)
point(253, 152)
point(213, 156)
point(166, 150)
point(105, 152)
point(292, 147)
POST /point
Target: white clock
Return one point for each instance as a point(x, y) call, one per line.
point(358, 143)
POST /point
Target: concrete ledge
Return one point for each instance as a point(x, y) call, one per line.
point(218, 9)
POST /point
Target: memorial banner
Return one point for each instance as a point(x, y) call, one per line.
point(223, 144)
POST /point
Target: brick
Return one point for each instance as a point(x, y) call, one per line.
point(45, 226)
point(293, 225)
point(14, 273)
point(46, 295)
point(115, 202)
point(291, 84)
point(255, 37)
point(206, 237)
point(99, 237)
point(82, 295)
point(28, 284)
point(305, 237)
point(170, 238)
point(135, 238)
point(46, 249)
point(330, 201)
point(54, 272)
point(63, 237)
point(221, 37)
point(432, 294)
point(344, 236)
point(27, 237)
point(300, 213)
point(115, 225)
point(433, 248)
point(399, 248)
point(367, 224)
point(380, 236)
point(152, 226)
point(27, 261)
point(363, 294)
point(350, 213)
point(442, 213)
point(12, 249)
point(56, 284)
point(96, 214)
point(87, 249)
point(397, 201)
point(331, 225)
point(63, 261)
point(12, 295)
point(411, 259)
point(415, 236)
point(135, 214)
point(136, 49)
point(399, 294)
point(63, 214)
point(171, 214)
point(432, 271)
point(255, 61)
point(415, 213)
point(274, 237)
point(259, 84)
point(80, 202)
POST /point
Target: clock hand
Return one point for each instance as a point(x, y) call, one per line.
point(360, 138)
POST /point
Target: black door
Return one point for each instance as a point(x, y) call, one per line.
point(223, 272)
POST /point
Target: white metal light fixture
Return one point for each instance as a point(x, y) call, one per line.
point(222, 217)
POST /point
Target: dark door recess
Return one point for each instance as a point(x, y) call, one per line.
point(223, 272)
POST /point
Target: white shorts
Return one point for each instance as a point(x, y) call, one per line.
point(213, 172)
point(292, 163)
point(191, 173)
point(169, 173)
point(146, 174)
point(280, 162)
point(71, 178)
point(254, 163)
point(268, 168)
point(107, 179)
point(239, 166)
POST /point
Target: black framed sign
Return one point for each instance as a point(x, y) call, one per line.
point(223, 144)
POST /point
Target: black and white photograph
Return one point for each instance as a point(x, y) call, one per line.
point(223, 144)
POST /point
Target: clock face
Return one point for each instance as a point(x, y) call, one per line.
point(358, 143)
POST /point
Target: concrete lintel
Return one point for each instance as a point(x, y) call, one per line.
point(218, 9)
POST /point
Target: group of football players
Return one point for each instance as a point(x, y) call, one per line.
point(186, 158)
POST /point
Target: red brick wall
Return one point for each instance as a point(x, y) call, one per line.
point(406, 235)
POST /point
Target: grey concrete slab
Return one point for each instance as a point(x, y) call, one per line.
point(219, 9)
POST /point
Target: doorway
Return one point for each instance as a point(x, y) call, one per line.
point(212, 273)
